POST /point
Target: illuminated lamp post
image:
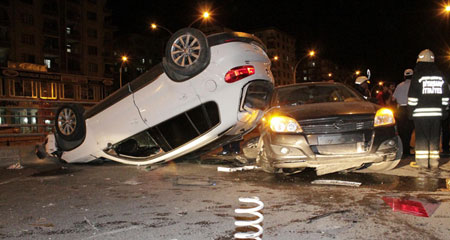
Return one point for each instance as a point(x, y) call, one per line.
point(124, 60)
point(310, 54)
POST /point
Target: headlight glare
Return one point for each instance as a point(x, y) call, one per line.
point(284, 124)
point(384, 117)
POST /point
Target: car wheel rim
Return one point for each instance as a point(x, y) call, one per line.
point(185, 50)
point(67, 121)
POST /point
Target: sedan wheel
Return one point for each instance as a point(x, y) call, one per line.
point(185, 50)
point(187, 54)
point(69, 122)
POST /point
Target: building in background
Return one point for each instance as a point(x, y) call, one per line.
point(51, 52)
point(281, 50)
point(318, 69)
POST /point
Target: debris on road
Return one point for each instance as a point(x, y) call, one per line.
point(132, 182)
point(155, 166)
point(416, 207)
point(336, 182)
point(15, 166)
point(236, 169)
point(311, 219)
point(194, 182)
point(42, 223)
point(90, 224)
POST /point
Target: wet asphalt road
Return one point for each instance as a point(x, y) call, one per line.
point(192, 200)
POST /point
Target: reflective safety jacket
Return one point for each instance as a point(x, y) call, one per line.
point(428, 94)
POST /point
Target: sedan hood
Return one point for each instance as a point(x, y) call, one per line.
point(330, 109)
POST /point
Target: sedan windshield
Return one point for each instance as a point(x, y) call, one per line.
point(307, 94)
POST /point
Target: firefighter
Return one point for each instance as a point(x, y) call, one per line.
point(428, 98)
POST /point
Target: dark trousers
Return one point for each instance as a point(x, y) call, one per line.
point(405, 128)
point(232, 147)
point(428, 131)
point(446, 135)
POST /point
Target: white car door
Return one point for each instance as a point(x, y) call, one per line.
point(164, 99)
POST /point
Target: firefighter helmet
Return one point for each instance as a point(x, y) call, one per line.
point(361, 79)
point(426, 56)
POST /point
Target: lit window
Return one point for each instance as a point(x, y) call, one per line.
point(48, 63)
point(68, 30)
point(143, 60)
point(305, 78)
point(313, 64)
point(69, 48)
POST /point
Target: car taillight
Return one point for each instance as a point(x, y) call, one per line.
point(413, 207)
point(238, 73)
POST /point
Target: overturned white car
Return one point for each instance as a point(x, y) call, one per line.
point(207, 92)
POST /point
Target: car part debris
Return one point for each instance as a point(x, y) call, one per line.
point(250, 223)
point(416, 207)
point(236, 169)
point(154, 166)
point(90, 224)
point(132, 182)
point(336, 182)
point(311, 219)
point(15, 166)
point(193, 182)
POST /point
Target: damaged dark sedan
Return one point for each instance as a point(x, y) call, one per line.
point(329, 127)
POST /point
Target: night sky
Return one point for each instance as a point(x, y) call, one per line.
point(382, 35)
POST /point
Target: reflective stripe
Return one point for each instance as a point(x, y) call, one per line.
point(413, 101)
point(430, 78)
point(431, 114)
point(421, 152)
point(427, 110)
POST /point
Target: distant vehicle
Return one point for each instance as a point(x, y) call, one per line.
point(329, 127)
point(207, 92)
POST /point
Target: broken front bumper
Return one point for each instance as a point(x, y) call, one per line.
point(298, 151)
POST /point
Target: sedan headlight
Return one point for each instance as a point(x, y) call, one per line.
point(384, 117)
point(283, 124)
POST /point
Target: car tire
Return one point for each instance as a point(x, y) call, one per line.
point(262, 160)
point(69, 123)
point(187, 53)
point(389, 165)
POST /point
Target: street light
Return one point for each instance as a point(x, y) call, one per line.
point(154, 26)
point(310, 54)
point(205, 16)
point(124, 60)
point(357, 72)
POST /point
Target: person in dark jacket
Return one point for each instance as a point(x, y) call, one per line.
point(428, 98)
point(404, 124)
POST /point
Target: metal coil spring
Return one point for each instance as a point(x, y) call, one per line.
point(254, 223)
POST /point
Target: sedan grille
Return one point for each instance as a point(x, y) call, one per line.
point(336, 124)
